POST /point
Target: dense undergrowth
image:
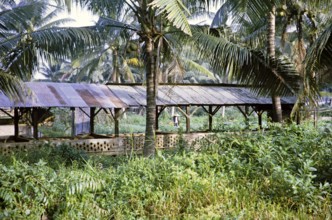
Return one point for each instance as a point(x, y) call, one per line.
point(283, 173)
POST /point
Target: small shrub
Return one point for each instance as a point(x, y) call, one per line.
point(53, 155)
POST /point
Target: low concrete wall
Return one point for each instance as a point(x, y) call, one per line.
point(124, 144)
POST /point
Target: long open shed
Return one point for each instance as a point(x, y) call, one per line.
point(115, 97)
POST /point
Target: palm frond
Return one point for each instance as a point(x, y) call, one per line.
point(11, 86)
point(255, 33)
point(266, 76)
point(69, 38)
point(21, 56)
point(47, 17)
point(19, 16)
point(251, 10)
point(221, 17)
point(318, 60)
point(322, 4)
point(7, 2)
point(176, 13)
point(175, 69)
point(319, 55)
point(112, 9)
point(192, 65)
point(106, 21)
point(128, 74)
point(89, 64)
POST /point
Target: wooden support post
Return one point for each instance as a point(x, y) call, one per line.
point(16, 121)
point(157, 118)
point(187, 119)
point(35, 122)
point(159, 110)
point(117, 113)
point(73, 125)
point(210, 118)
point(92, 120)
point(260, 113)
point(244, 114)
point(211, 113)
point(247, 114)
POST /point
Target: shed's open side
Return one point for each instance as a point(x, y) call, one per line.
point(115, 97)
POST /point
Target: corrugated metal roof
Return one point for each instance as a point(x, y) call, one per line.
point(169, 95)
point(48, 94)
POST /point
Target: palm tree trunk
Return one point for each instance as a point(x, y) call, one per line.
point(116, 72)
point(276, 102)
point(151, 70)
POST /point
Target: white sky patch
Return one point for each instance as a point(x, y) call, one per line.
point(206, 19)
point(82, 17)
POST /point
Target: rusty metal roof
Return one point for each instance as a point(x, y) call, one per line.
point(48, 94)
point(170, 95)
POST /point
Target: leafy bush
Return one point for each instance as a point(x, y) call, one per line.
point(55, 156)
point(25, 191)
point(291, 163)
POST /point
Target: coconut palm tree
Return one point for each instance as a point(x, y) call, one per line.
point(155, 21)
point(264, 12)
point(319, 59)
point(151, 17)
point(28, 34)
point(287, 12)
point(115, 60)
point(56, 71)
point(307, 19)
point(10, 17)
point(247, 66)
point(159, 19)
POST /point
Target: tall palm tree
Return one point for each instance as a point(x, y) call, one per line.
point(150, 16)
point(116, 59)
point(155, 20)
point(25, 38)
point(254, 13)
point(276, 101)
point(265, 75)
point(158, 19)
point(319, 59)
point(307, 19)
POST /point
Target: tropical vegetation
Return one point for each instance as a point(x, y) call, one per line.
point(276, 174)
point(279, 172)
point(31, 33)
point(157, 30)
